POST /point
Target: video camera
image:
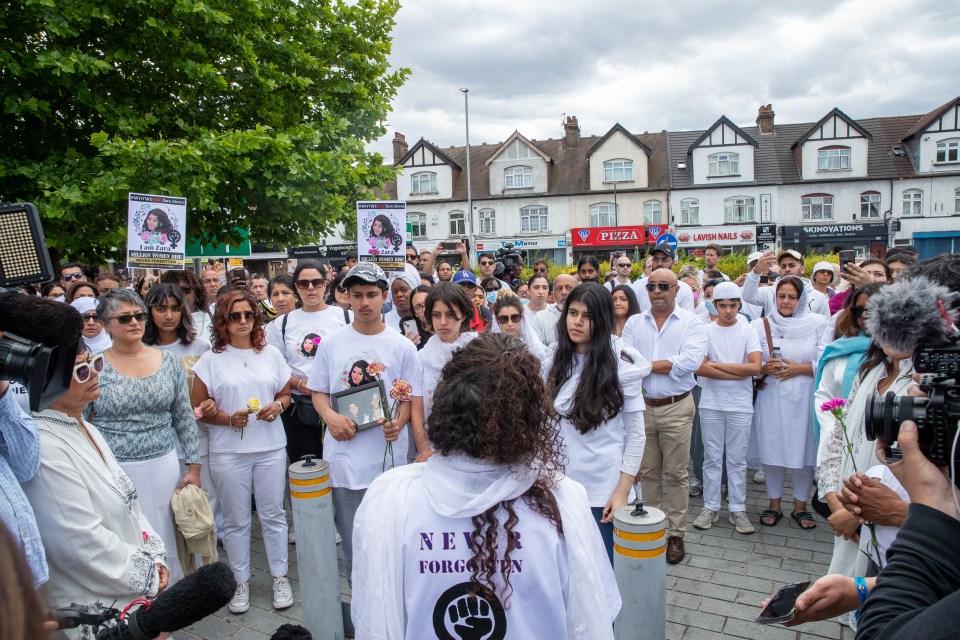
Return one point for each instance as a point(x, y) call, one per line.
point(510, 261)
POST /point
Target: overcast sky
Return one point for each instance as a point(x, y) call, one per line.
point(674, 65)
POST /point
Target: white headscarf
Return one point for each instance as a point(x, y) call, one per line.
point(803, 321)
point(102, 341)
point(410, 275)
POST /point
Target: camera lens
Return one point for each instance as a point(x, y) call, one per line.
point(884, 415)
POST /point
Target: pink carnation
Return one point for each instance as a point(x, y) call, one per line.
point(833, 405)
point(197, 413)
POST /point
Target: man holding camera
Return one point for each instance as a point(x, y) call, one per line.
point(488, 266)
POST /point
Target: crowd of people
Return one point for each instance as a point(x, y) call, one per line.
point(525, 410)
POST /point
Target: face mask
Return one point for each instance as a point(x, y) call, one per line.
point(491, 296)
point(61, 298)
point(524, 301)
point(696, 296)
point(712, 310)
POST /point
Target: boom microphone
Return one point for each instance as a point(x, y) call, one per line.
point(52, 324)
point(195, 597)
point(907, 313)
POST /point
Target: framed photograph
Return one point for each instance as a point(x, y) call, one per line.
point(364, 404)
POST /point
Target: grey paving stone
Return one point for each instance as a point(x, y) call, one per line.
point(754, 631)
point(691, 618)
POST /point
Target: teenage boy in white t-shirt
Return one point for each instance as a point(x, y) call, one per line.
point(726, 407)
point(357, 457)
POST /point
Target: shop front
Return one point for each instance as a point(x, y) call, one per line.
point(730, 238)
point(334, 254)
point(552, 248)
point(869, 240)
point(602, 241)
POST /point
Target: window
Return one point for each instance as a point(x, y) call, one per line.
point(651, 212)
point(517, 177)
point(488, 221)
point(956, 200)
point(948, 151)
point(458, 224)
point(833, 158)
point(690, 211)
point(418, 224)
point(603, 215)
point(618, 171)
point(724, 164)
point(869, 204)
point(517, 150)
point(913, 202)
point(423, 182)
point(739, 209)
point(816, 207)
point(533, 219)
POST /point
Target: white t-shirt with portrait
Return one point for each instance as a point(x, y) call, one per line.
point(233, 377)
point(301, 338)
point(355, 463)
point(189, 355)
point(730, 345)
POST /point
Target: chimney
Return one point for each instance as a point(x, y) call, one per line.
point(571, 132)
point(765, 120)
point(399, 146)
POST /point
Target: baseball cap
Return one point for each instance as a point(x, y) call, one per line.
point(754, 257)
point(364, 273)
point(665, 248)
point(465, 276)
point(789, 252)
point(726, 291)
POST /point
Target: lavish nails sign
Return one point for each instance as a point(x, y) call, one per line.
point(155, 226)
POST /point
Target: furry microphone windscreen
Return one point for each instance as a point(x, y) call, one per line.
point(51, 323)
point(291, 632)
point(908, 313)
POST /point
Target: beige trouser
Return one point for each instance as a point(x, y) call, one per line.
point(668, 452)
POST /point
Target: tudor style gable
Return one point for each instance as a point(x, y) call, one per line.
point(518, 167)
point(933, 143)
point(835, 147)
point(426, 173)
point(619, 158)
point(723, 154)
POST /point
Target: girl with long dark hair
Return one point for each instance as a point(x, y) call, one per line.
point(497, 482)
point(625, 304)
point(594, 380)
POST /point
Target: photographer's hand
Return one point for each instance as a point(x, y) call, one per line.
point(926, 483)
point(826, 598)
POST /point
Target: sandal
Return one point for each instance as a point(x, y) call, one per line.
point(804, 516)
point(775, 516)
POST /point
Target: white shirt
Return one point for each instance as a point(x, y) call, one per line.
point(355, 463)
point(233, 377)
point(189, 355)
point(766, 297)
point(544, 324)
point(682, 340)
point(730, 345)
point(300, 339)
point(430, 362)
point(684, 295)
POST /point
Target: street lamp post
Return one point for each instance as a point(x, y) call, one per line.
point(616, 215)
point(466, 118)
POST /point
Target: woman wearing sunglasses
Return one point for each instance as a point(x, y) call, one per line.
point(100, 546)
point(508, 315)
point(95, 337)
point(143, 410)
point(249, 380)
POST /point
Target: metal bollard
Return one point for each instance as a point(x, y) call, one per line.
point(640, 565)
point(316, 548)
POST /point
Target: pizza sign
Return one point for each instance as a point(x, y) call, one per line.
point(608, 236)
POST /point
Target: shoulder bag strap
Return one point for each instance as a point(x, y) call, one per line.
point(766, 327)
point(283, 328)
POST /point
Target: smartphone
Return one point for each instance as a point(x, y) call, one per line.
point(781, 607)
point(845, 257)
point(238, 273)
point(775, 354)
point(409, 326)
point(765, 279)
point(448, 246)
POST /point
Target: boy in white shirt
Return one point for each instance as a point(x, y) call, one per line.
point(726, 407)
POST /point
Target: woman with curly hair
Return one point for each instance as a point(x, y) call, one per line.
point(497, 483)
point(248, 382)
point(594, 380)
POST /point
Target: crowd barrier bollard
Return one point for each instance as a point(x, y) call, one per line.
point(640, 565)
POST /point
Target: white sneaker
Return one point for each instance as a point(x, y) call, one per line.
point(706, 519)
point(291, 535)
point(282, 593)
point(240, 602)
point(741, 522)
point(758, 477)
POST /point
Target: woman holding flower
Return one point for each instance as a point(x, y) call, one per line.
point(249, 381)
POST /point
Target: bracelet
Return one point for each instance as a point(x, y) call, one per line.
point(281, 405)
point(229, 419)
point(299, 382)
point(862, 591)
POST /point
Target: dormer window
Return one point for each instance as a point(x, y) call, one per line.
point(423, 182)
point(618, 171)
point(833, 158)
point(948, 150)
point(723, 164)
point(517, 177)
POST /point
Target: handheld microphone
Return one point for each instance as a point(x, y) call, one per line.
point(195, 597)
point(911, 312)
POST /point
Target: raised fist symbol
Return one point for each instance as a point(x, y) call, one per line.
point(472, 617)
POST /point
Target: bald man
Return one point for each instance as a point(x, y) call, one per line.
point(674, 340)
point(210, 280)
point(544, 323)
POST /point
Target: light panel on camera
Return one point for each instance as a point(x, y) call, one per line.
point(23, 252)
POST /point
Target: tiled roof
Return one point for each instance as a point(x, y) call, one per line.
point(928, 119)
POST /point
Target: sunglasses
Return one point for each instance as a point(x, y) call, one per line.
point(663, 286)
point(88, 317)
point(316, 282)
point(72, 276)
point(623, 264)
point(126, 318)
point(235, 316)
point(486, 263)
point(81, 370)
point(857, 312)
point(539, 269)
point(412, 258)
point(514, 319)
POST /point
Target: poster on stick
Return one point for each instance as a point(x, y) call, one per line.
point(155, 229)
point(382, 233)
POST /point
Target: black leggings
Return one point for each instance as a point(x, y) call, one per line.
point(302, 438)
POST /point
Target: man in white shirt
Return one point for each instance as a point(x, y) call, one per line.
point(791, 264)
point(487, 264)
point(621, 267)
point(674, 341)
point(711, 258)
point(662, 256)
point(545, 323)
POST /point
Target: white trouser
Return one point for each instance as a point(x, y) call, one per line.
point(264, 474)
point(776, 476)
point(725, 432)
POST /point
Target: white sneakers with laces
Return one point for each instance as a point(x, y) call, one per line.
point(741, 522)
point(706, 519)
point(240, 603)
point(282, 593)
